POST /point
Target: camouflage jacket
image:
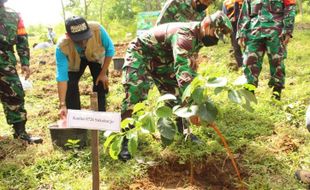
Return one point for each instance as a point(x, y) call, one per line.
point(261, 18)
point(172, 48)
point(179, 11)
point(12, 32)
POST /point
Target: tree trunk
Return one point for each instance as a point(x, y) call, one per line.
point(63, 10)
point(85, 9)
point(300, 7)
point(158, 5)
point(101, 12)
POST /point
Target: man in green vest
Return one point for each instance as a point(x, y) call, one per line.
point(85, 44)
point(12, 32)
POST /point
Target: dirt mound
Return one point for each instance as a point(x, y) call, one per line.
point(211, 173)
point(120, 49)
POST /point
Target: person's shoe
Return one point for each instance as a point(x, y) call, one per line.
point(193, 138)
point(276, 93)
point(303, 176)
point(25, 137)
point(20, 133)
point(124, 155)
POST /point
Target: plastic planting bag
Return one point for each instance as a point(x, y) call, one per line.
point(27, 84)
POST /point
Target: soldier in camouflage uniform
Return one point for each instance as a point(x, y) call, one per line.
point(183, 11)
point(266, 26)
point(12, 32)
point(164, 56)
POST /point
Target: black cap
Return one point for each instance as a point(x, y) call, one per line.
point(77, 28)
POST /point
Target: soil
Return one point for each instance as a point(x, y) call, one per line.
point(211, 173)
point(302, 26)
point(120, 49)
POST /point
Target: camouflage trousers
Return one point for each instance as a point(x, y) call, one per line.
point(11, 93)
point(138, 77)
point(253, 60)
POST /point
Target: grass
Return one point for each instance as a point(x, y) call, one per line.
point(270, 143)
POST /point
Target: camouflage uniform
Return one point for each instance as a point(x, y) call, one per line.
point(179, 11)
point(232, 9)
point(263, 24)
point(12, 32)
point(163, 56)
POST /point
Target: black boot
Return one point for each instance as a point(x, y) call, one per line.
point(276, 93)
point(124, 155)
point(20, 133)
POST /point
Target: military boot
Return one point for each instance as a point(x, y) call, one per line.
point(303, 176)
point(20, 133)
point(276, 93)
point(124, 155)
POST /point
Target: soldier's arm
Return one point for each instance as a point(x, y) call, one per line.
point(22, 46)
point(243, 21)
point(181, 47)
point(289, 17)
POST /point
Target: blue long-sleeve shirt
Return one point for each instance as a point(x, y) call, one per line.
point(62, 62)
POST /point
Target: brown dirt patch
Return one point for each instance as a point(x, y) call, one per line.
point(286, 144)
point(213, 173)
point(120, 49)
point(303, 26)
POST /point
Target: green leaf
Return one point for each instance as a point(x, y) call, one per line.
point(138, 107)
point(166, 128)
point(116, 147)
point(166, 97)
point(197, 95)
point(147, 123)
point(197, 82)
point(165, 141)
point(187, 92)
point(234, 96)
point(108, 141)
point(218, 90)
point(164, 111)
point(217, 82)
point(133, 145)
point(125, 123)
point(249, 96)
point(175, 108)
point(186, 112)
point(207, 112)
point(250, 87)
point(248, 106)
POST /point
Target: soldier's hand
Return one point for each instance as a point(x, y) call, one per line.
point(241, 42)
point(26, 71)
point(286, 39)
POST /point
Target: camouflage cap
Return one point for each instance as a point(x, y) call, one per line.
point(221, 23)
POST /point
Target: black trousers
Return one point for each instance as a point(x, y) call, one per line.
point(236, 47)
point(73, 93)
